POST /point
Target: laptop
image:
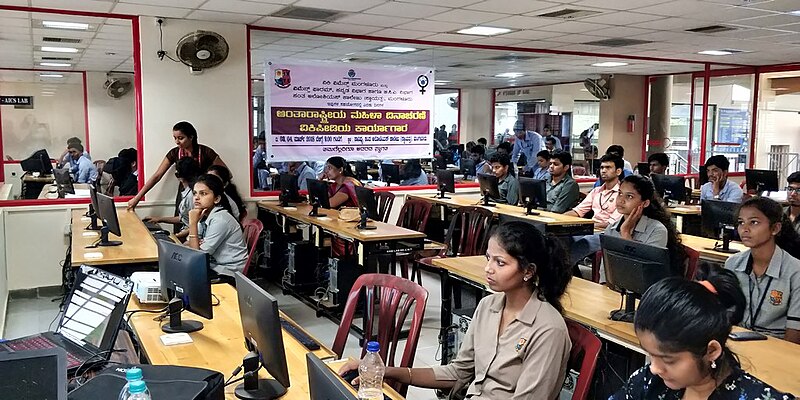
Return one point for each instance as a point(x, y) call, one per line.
point(34, 374)
point(89, 325)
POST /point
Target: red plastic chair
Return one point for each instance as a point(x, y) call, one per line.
point(394, 297)
point(414, 215)
point(385, 201)
point(583, 357)
point(252, 230)
point(692, 259)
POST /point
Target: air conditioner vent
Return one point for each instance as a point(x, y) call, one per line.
point(617, 42)
point(60, 40)
point(512, 58)
point(712, 29)
point(570, 13)
point(314, 14)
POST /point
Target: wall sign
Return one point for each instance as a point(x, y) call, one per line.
point(16, 101)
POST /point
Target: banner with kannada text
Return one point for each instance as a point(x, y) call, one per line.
point(316, 110)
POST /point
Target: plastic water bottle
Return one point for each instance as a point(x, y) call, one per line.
point(370, 373)
point(137, 390)
point(131, 375)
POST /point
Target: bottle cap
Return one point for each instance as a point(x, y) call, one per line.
point(133, 374)
point(137, 387)
point(373, 347)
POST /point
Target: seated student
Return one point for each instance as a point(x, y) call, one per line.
point(83, 170)
point(718, 186)
point(505, 147)
point(684, 326)
point(477, 155)
point(483, 142)
point(413, 175)
point(130, 154)
point(768, 271)
point(550, 144)
point(658, 163)
point(517, 345)
point(602, 200)
point(66, 158)
point(617, 150)
point(213, 229)
point(542, 169)
point(122, 176)
point(792, 211)
point(562, 190)
point(304, 172)
point(186, 170)
point(342, 192)
point(507, 184)
point(645, 220)
point(238, 208)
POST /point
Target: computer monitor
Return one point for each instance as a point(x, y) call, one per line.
point(489, 189)
point(703, 175)
point(447, 155)
point(670, 187)
point(94, 210)
point(289, 189)
point(468, 167)
point(718, 220)
point(643, 168)
point(263, 338)
point(34, 374)
point(446, 181)
point(361, 170)
point(366, 201)
point(390, 173)
point(108, 214)
point(63, 181)
point(39, 162)
point(185, 281)
point(533, 194)
point(324, 383)
point(318, 196)
point(632, 267)
point(439, 162)
point(761, 180)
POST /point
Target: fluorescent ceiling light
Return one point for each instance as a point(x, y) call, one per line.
point(780, 88)
point(509, 75)
point(49, 64)
point(483, 31)
point(48, 94)
point(610, 64)
point(59, 49)
point(65, 25)
point(396, 49)
point(715, 53)
point(441, 82)
point(51, 76)
point(795, 12)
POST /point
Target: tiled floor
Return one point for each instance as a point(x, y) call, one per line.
point(29, 316)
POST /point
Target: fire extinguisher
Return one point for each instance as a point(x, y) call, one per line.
point(631, 123)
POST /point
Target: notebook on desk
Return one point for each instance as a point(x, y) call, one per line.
point(90, 323)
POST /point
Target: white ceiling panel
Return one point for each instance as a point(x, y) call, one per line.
point(153, 11)
point(242, 7)
point(777, 5)
point(219, 16)
point(381, 21)
point(575, 27)
point(289, 23)
point(422, 25)
point(446, 3)
point(348, 5)
point(510, 7)
point(400, 33)
point(77, 5)
point(347, 28)
point(621, 18)
point(172, 3)
point(408, 10)
point(465, 16)
point(526, 22)
point(615, 5)
point(675, 8)
point(769, 21)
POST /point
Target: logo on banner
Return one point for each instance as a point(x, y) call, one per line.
point(422, 82)
point(282, 78)
point(351, 73)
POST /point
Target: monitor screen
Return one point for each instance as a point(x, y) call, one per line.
point(34, 374)
point(184, 275)
point(64, 181)
point(633, 266)
point(670, 187)
point(39, 161)
point(361, 168)
point(318, 192)
point(643, 168)
point(93, 197)
point(289, 186)
point(366, 200)
point(534, 191)
point(324, 383)
point(109, 213)
point(468, 167)
point(715, 214)
point(703, 175)
point(761, 180)
point(488, 184)
point(446, 180)
point(390, 173)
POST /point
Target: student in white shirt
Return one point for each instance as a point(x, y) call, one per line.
point(186, 170)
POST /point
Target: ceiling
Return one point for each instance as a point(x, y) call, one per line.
point(764, 30)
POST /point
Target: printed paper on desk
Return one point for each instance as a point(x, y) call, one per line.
point(93, 255)
point(546, 219)
point(290, 208)
point(90, 234)
point(324, 218)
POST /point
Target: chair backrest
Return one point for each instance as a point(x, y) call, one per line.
point(385, 201)
point(414, 214)
point(252, 230)
point(394, 297)
point(578, 170)
point(692, 259)
point(583, 357)
point(468, 233)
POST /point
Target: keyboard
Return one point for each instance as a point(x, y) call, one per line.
point(40, 343)
point(152, 226)
point(301, 336)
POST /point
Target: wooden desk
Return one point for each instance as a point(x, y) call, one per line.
point(32, 185)
point(773, 360)
point(50, 191)
point(219, 346)
point(703, 245)
point(138, 246)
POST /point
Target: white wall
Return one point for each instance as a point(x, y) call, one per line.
point(476, 115)
point(112, 122)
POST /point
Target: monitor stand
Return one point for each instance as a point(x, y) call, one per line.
point(727, 233)
point(362, 225)
point(284, 198)
point(93, 224)
point(441, 193)
point(315, 210)
point(625, 315)
point(486, 200)
point(104, 238)
point(254, 388)
point(175, 324)
point(529, 206)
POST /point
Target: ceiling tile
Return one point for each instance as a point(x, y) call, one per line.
point(400, 33)
point(464, 16)
point(380, 21)
point(525, 22)
point(409, 10)
point(532, 35)
point(575, 27)
point(777, 5)
point(498, 41)
point(620, 32)
point(218, 16)
point(671, 24)
point(153, 11)
point(510, 7)
point(621, 18)
point(349, 5)
point(770, 21)
point(431, 26)
point(239, 6)
point(76, 5)
point(172, 3)
point(346, 28)
point(289, 23)
point(446, 3)
point(615, 5)
point(675, 8)
point(451, 37)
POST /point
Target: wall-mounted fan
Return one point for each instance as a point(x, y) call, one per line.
point(202, 49)
point(599, 88)
point(452, 102)
point(117, 86)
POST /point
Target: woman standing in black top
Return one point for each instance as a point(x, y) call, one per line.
point(185, 136)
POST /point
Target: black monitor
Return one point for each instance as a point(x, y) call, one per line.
point(263, 338)
point(447, 156)
point(108, 214)
point(489, 188)
point(361, 170)
point(643, 168)
point(468, 167)
point(39, 162)
point(761, 180)
point(390, 173)
point(718, 220)
point(324, 383)
point(63, 181)
point(184, 280)
point(366, 201)
point(34, 374)
point(533, 194)
point(703, 175)
point(318, 196)
point(632, 267)
point(446, 181)
point(289, 189)
point(670, 187)
point(439, 162)
point(94, 210)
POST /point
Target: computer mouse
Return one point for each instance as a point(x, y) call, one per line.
point(161, 232)
point(350, 375)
